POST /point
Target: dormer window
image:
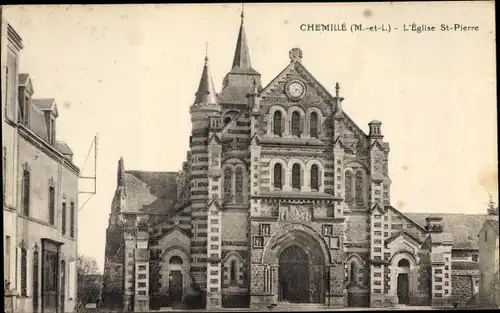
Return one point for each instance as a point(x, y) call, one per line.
point(26, 109)
point(51, 133)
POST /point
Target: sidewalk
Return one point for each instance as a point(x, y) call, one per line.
point(298, 309)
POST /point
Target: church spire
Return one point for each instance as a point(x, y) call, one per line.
point(241, 54)
point(206, 91)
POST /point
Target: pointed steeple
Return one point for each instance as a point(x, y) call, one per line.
point(241, 58)
point(206, 91)
point(239, 82)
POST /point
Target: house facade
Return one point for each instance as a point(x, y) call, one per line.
point(282, 200)
point(489, 287)
point(40, 196)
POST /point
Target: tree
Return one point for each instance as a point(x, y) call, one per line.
point(89, 286)
point(86, 266)
point(492, 207)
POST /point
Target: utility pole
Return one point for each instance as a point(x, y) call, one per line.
point(94, 147)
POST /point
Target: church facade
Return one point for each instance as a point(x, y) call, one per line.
point(283, 199)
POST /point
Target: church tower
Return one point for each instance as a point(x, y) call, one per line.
point(204, 109)
point(240, 80)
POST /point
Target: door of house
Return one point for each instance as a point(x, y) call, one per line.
point(403, 288)
point(175, 287)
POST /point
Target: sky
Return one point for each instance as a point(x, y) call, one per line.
point(129, 73)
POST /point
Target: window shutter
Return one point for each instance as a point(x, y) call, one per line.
point(301, 125)
point(319, 124)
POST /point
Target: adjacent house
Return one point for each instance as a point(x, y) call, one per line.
point(40, 184)
point(489, 284)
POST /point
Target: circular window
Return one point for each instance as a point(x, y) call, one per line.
point(227, 120)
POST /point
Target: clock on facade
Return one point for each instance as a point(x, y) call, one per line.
point(295, 89)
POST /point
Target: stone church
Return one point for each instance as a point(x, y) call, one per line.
point(283, 200)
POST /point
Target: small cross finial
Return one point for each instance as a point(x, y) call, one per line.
point(206, 51)
point(337, 89)
point(242, 12)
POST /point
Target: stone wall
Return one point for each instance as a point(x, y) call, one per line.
point(462, 287)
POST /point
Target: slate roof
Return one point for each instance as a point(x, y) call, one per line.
point(150, 191)
point(206, 91)
point(463, 227)
point(63, 148)
point(37, 122)
point(23, 78)
point(494, 224)
point(44, 104)
point(464, 265)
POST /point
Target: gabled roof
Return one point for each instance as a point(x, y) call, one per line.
point(419, 225)
point(37, 122)
point(377, 206)
point(378, 144)
point(46, 104)
point(150, 191)
point(322, 91)
point(412, 234)
point(25, 81)
point(338, 142)
point(493, 224)
point(463, 227)
point(171, 230)
point(300, 68)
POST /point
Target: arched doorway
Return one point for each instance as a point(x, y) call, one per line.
point(294, 275)
point(175, 280)
point(403, 281)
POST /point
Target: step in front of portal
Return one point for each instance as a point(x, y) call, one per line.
point(285, 306)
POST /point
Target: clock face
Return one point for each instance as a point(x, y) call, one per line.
point(296, 89)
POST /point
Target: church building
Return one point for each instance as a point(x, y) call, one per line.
point(283, 201)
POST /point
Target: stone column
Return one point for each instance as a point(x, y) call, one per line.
point(337, 291)
point(275, 282)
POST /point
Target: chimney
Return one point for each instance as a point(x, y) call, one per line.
point(375, 129)
point(434, 224)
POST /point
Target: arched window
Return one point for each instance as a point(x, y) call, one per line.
point(354, 271)
point(359, 188)
point(296, 124)
point(277, 127)
point(239, 185)
point(348, 186)
point(233, 271)
point(278, 170)
point(313, 125)
point(403, 263)
point(296, 176)
point(314, 177)
point(175, 260)
point(228, 184)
